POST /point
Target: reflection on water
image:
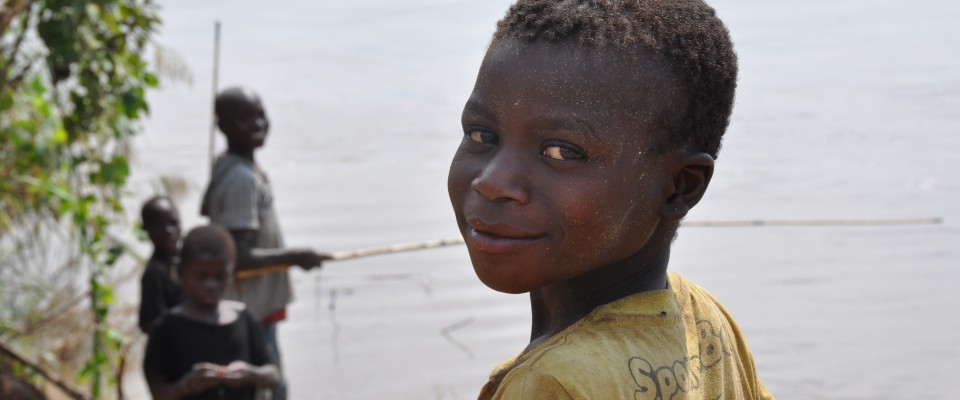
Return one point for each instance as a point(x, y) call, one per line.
point(846, 109)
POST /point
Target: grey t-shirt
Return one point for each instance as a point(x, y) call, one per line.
point(239, 197)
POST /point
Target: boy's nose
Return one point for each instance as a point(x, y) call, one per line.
point(504, 178)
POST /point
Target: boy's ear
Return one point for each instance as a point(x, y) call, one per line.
point(689, 184)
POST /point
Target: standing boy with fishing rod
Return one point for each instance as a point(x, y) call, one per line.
point(590, 133)
point(239, 198)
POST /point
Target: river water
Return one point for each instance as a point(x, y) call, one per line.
point(845, 110)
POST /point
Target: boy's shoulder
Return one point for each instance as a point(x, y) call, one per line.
point(232, 309)
point(233, 306)
point(164, 323)
point(157, 268)
point(231, 174)
point(681, 331)
point(230, 166)
point(591, 358)
point(697, 303)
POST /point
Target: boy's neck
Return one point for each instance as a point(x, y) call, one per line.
point(559, 306)
point(224, 313)
point(241, 152)
point(196, 312)
point(160, 254)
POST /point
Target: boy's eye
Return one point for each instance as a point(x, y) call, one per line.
point(563, 153)
point(482, 137)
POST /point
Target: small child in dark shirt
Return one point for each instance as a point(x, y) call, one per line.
point(158, 291)
point(207, 348)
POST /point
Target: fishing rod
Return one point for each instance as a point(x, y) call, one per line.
point(349, 255)
point(812, 222)
point(216, 75)
point(430, 244)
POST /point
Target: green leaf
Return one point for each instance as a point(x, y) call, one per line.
point(116, 337)
point(60, 136)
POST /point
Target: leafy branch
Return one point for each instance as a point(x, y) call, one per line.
point(73, 82)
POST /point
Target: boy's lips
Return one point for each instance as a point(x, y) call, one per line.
point(498, 238)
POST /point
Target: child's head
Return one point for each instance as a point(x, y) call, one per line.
point(242, 118)
point(206, 264)
point(161, 221)
point(590, 132)
point(684, 36)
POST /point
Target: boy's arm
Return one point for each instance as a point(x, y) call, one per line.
point(528, 385)
point(258, 371)
point(240, 373)
point(157, 368)
point(151, 305)
point(202, 377)
point(162, 390)
point(764, 393)
point(250, 257)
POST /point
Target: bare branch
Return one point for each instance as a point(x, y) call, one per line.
point(10, 10)
point(65, 387)
point(10, 59)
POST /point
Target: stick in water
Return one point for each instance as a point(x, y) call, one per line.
point(348, 255)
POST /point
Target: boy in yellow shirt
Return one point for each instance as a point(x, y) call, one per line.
point(590, 133)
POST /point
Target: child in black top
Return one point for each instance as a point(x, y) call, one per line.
point(207, 348)
point(158, 291)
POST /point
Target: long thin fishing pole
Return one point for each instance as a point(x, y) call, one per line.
point(216, 77)
point(399, 248)
point(811, 222)
point(347, 255)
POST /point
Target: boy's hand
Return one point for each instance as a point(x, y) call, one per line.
point(203, 376)
point(309, 259)
point(238, 373)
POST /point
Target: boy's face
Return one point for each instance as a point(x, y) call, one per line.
point(556, 176)
point(204, 280)
point(164, 228)
point(245, 122)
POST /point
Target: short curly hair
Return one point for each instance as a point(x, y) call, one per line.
point(154, 208)
point(686, 33)
point(208, 241)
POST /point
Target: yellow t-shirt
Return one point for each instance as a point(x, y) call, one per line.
point(671, 344)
